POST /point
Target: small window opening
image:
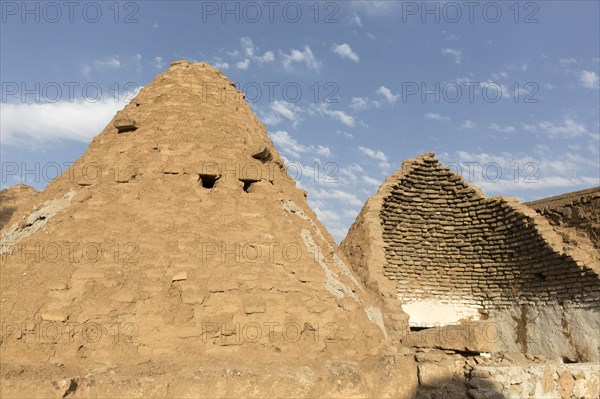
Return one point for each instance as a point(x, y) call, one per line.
point(540, 276)
point(418, 328)
point(263, 155)
point(127, 129)
point(208, 181)
point(248, 183)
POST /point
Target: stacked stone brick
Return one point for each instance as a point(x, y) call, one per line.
point(444, 239)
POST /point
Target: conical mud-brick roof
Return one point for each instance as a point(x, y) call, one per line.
point(178, 246)
point(449, 254)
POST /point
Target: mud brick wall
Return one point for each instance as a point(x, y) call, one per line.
point(445, 240)
point(579, 210)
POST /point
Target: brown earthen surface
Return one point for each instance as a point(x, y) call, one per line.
point(574, 214)
point(14, 202)
point(177, 258)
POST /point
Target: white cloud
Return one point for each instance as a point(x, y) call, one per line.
point(371, 181)
point(351, 213)
point(450, 36)
point(28, 125)
point(567, 62)
point(335, 194)
point(243, 64)
point(86, 70)
point(351, 171)
point(296, 56)
point(499, 75)
point(290, 146)
point(359, 103)
point(251, 52)
point(341, 116)
point(589, 79)
point(436, 117)
point(387, 94)
point(346, 134)
point(326, 215)
point(376, 155)
point(109, 63)
point(115, 62)
point(502, 129)
point(247, 46)
point(569, 128)
point(468, 125)
point(269, 56)
point(363, 103)
point(282, 109)
point(158, 62)
point(323, 151)
point(456, 54)
point(345, 51)
point(221, 65)
point(355, 20)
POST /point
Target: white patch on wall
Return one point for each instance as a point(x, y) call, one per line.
point(432, 313)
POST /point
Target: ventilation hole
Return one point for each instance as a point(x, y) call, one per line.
point(540, 276)
point(208, 181)
point(263, 155)
point(419, 328)
point(127, 129)
point(248, 183)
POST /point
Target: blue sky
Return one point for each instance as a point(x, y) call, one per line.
point(517, 85)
